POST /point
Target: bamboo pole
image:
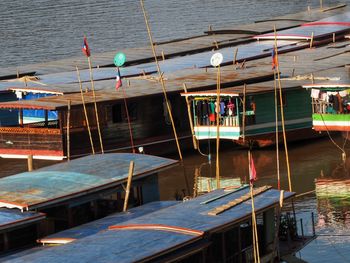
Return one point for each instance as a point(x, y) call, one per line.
point(243, 117)
point(321, 5)
point(282, 113)
point(85, 111)
point(161, 79)
point(95, 104)
point(30, 162)
point(312, 40)
point(217, 108)
point(128, 185)
point(235, 57)
point(190, 119)
point(68, 131)
point(277, 140)
point(255, 230)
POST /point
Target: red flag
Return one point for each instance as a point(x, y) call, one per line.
point(118, 80)
point(252, 171)
point(274, 59)
point(85, 48)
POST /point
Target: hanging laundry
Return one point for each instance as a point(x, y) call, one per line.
point(343, 93)
point(315, 93)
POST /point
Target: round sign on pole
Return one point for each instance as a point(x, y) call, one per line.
point(119, 59)
point(216, 59)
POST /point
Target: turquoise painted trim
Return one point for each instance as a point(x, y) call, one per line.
point(213, 134)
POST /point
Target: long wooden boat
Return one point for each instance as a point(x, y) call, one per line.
point(254, 125)
point(213, 227)
point(35, 204)
point(46, 138)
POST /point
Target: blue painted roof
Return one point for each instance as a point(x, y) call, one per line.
point(76, 178)
point(10, 218)
point(133, 245)
point(96, 226)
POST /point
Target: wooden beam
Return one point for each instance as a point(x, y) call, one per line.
point(237, 201)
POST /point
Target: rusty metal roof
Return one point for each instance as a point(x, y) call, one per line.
point(77, 178)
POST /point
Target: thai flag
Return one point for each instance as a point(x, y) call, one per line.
point(274, 58)
point(252, 171)
point(118, 80)
point(85, 48)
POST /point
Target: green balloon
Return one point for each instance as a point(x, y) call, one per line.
point(119, 59)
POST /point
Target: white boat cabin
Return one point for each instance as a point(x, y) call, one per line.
point(230, 109)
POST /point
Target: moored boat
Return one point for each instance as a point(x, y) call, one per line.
point(213, 227)
point(249, 118)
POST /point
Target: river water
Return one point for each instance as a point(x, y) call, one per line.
point(43, 30)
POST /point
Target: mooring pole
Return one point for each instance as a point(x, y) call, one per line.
point(128, 185)
point(30, 162)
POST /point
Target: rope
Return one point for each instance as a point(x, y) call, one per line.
point(128, 118)
point(277, 70)
point(330, 137)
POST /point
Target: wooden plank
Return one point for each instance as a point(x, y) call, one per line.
point(231, 204)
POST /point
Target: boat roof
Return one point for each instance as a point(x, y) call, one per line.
point(13, 218)
point(196, 79)
point(317, 29)
point(161, 232)
point(90, 228)
point(326, 86)
point(77, 178)
point(96, 226)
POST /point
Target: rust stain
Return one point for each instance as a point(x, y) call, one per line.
point(32, 191)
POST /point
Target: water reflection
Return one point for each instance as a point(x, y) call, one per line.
point(333, 196)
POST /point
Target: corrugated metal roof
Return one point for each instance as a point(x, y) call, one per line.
point(248, 51)
point(323, 27)
point(96, 226)
point(124, 245)
point(79, 177)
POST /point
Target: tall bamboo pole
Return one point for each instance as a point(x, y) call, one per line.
point(85, 111)
point(243, 117)
point(68, 131)
point(282, 112)
point(217, 108)
point(161, 78)
point(277, 140)
point(95, 104)
point(255, 230)
point(190, 119)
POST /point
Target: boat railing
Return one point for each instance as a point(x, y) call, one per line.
point(323, 107)
point(224, 121)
